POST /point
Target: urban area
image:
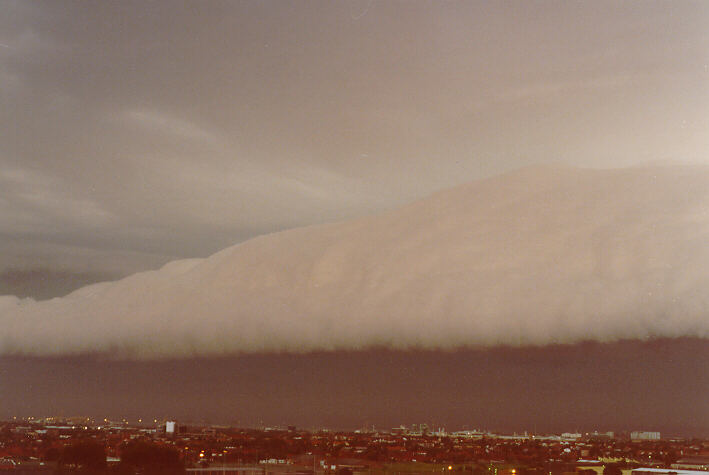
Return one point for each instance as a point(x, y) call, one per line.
point(82, 445)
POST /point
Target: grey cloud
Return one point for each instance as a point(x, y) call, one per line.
point(32, 198)
point(26, 252)
point(42, 284)
point(170, 130)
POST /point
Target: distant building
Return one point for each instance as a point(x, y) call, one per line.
point(696, 462)
point(470, 434)
point(665, 471)
point(226, 469)
point(13, 467)
point(170, 427)
point(638, 435)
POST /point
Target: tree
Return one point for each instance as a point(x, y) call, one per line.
point(612, 469)
point(85, 456)
point(52, 454)
point(150, 458)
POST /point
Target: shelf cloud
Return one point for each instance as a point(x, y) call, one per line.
point(542, 255)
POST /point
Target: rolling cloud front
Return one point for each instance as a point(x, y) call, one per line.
point(545, 255)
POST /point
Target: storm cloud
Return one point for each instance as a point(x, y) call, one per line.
point(539, 256)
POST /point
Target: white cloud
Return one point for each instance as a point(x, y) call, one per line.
point(544, 255)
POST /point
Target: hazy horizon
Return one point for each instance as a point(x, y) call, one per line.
point(589, 386)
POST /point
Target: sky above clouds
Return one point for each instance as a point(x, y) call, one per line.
point(133, 133)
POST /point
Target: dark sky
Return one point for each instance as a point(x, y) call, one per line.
point(654, 385)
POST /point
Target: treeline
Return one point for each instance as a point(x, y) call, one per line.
point(137, 457)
